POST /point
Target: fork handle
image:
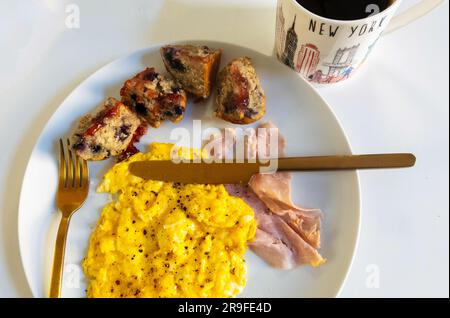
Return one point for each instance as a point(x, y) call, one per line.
point(58, 259)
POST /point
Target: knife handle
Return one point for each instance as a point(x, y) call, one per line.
point(396, 160)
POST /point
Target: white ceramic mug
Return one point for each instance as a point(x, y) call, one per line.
point(326, 51)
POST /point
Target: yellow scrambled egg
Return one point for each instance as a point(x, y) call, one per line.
point(160, 239)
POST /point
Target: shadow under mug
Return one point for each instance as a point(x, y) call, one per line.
point(326, 51)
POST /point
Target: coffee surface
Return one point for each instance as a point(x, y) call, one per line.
point(345, 9)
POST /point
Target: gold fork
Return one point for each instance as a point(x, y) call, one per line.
point(72, 192)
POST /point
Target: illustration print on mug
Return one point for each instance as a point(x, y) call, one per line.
point(321, 50)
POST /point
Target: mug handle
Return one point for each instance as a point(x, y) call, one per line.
point(411, 14)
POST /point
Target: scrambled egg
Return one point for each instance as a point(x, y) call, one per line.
point(160, 239)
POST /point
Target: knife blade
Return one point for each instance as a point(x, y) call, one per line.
point(222, 173)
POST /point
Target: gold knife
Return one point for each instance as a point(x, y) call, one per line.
point(223, 173)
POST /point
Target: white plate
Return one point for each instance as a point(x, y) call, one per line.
point(292, 104)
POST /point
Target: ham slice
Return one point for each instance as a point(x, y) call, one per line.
point(275, 191)
point(264, 135)
point(287, 235)
point(221, 146)
point(276, 241)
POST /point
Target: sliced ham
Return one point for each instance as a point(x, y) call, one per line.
point(276, 241)
point(275, 188)
point(287, 235)
point(221, 146)
point(306, 223)
point(264, 132)
point(275, 191)
point(272, 250)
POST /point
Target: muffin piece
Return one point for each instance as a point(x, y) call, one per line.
point(131, 148)
point(194, 67)
point(108, 133)
point(154, 97)
point(240, 97)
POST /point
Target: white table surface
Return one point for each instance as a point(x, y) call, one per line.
point(399, 101)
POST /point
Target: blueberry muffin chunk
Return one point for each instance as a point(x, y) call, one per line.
point(240, 97)
point(194, 67)
point(154, 97)
point(106, 134)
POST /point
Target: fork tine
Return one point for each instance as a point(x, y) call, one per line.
point(77, 171)
point(62, 165)
point(84, 174)
point(70, 166)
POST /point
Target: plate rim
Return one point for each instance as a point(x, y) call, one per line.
point(157, 45)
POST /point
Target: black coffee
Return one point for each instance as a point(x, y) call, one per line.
point(345, 9)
